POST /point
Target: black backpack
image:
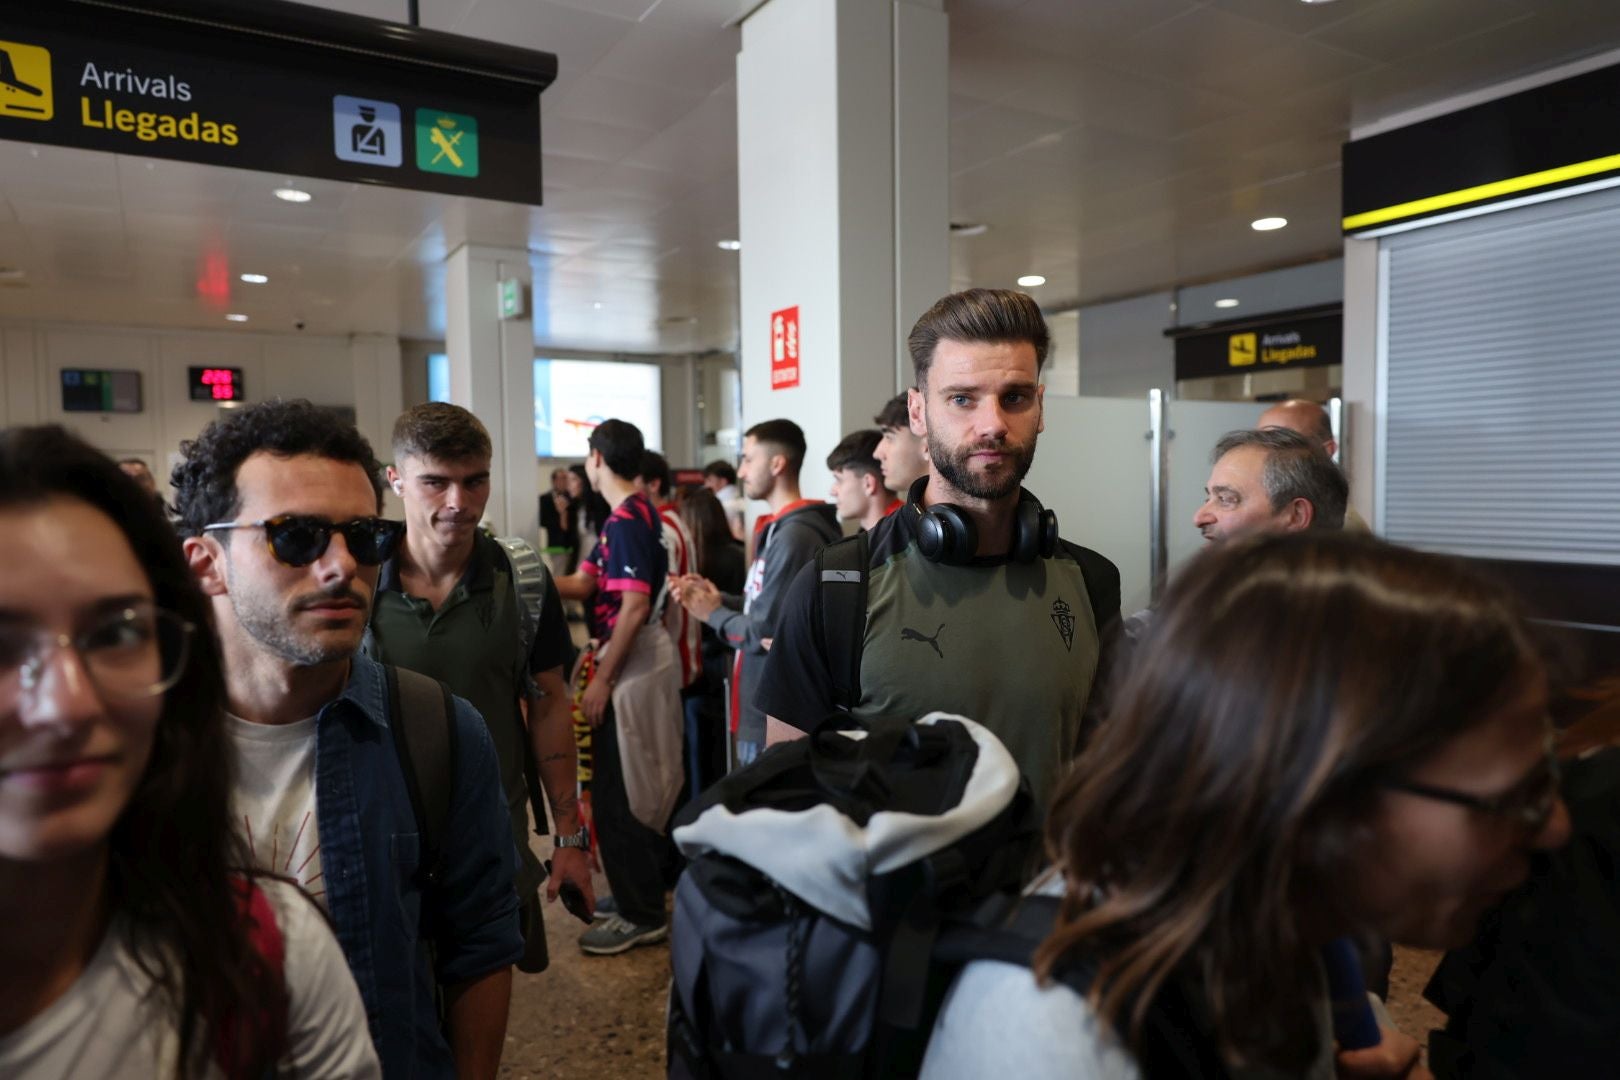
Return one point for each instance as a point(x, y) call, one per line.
point(839, 612)
point(820, 879)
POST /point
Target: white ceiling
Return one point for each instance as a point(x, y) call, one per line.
point(1115, 146)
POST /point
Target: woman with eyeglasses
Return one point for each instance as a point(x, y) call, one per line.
point(1537, 992)
point(1321, 735)
point(133, 941)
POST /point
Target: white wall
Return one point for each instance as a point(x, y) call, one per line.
point(361, 371)
point(1123, 350)
point(823, 222)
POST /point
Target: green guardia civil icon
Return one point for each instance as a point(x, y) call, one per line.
point(446, 142)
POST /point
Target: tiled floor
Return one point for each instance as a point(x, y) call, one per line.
point(1407, 1008)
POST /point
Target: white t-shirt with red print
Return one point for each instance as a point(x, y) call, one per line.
point(274, 801)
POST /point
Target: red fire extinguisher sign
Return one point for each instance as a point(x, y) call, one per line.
point(785, 348)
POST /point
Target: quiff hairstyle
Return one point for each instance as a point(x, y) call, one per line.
point(993, 316)
point(440, 430)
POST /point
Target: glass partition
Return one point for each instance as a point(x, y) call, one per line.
point(1091, 468)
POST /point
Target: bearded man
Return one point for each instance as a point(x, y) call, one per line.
point(974, 604)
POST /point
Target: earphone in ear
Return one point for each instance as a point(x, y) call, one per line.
point(399, 487)
point(947, 535)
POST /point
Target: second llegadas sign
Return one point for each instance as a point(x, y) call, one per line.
point(1244, 348)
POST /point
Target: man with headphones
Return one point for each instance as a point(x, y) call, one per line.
point(965, 599)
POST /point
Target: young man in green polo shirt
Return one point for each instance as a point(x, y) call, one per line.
point(446, 607)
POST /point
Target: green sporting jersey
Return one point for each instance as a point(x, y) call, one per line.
point(1014, 646)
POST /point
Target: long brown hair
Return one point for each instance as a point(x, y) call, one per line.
point(1281, 679)
point(705, 519)
point(175, 862)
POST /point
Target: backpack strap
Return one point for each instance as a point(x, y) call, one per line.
point(840, 613)
point(529, 578)
point(422, 717)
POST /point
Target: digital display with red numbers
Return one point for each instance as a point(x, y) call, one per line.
point(216, 383)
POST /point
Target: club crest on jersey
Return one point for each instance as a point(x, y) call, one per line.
point(1063, 619)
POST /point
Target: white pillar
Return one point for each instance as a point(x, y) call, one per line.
point(843, 203)
point(492, 374)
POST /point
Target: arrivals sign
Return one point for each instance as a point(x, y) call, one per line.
point(1245, 347)
point(278, 87)
point(785, 348)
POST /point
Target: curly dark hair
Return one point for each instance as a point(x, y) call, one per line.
point(205, 480)
point(175, 863)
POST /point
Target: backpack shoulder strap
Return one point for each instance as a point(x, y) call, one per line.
point(840, 613)
point(528, 576)
point(422, 717)
point(1102, 583)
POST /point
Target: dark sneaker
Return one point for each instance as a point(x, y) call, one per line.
point(616, 935)
point(605, 906)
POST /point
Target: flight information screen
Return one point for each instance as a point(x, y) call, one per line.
point(216, 383)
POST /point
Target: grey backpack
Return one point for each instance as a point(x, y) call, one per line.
point(804, 936)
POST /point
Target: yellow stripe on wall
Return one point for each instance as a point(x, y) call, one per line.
point(1482, 191)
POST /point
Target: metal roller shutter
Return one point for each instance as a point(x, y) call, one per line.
point(1500, 417)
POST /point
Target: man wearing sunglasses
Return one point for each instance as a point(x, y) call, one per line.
point(278, 505)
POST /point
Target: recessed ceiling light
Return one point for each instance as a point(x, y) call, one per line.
point(292, 194)
point(729, 245)
point(1227, 302)
point(255, 279)
point(235, 318)
point(597, 305)
point(1029, 281)
point(1267, 224)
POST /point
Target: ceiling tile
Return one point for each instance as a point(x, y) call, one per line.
point(1396, 29)
point(670, 58)
point(631, 10)
point(586, 139)
point(628, 105)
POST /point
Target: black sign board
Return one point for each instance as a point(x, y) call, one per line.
point(85, 390)
point(216, 383)
point(1249, 346)
point(277, 87)
point(1549, 137)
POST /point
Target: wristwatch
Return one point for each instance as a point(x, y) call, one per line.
point(581, 839)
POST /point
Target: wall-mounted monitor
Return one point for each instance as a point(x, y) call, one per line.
point(572, 396)
point(216, 383)
point(89, 390)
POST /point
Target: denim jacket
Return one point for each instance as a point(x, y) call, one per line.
point(369, 854)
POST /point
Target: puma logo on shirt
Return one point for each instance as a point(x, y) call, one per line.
point(908, 634)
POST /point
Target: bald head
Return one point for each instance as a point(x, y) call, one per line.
point(1306, 417)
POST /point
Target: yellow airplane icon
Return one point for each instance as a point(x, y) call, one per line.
point(447, 147)
point(25, 81)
